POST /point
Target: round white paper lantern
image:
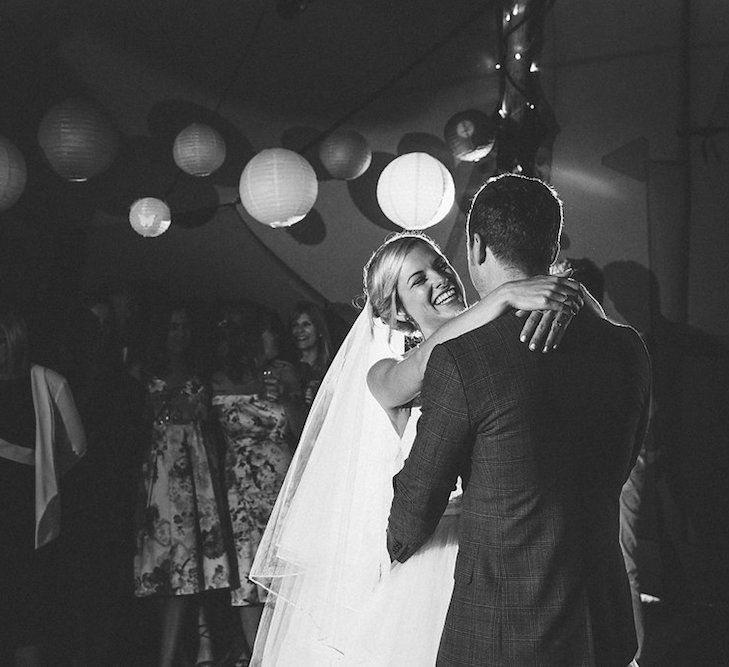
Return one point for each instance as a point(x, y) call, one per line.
point(77, 139)
point(13, 174)
point(150, 216)
point(199, 150)
point(278, 187)
point(470, 135)
point(415, 191)
point(345, 154)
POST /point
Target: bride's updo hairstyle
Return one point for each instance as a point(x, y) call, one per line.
point(381, 273)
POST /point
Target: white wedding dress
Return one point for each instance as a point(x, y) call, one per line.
point(403, 622)
point(335, 600)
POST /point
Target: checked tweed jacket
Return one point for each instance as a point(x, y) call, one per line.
point(544, 443)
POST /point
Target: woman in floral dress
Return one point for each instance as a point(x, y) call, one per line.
point(255, 419)
point(180, 549)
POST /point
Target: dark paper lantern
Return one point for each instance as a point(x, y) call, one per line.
point(77, 139)
point(13, 174)
point(278, 187)
point(199, 150)
point(150, 217)
point(345, 155)
point(470, 135)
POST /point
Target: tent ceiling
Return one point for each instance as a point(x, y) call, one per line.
point(327, 58)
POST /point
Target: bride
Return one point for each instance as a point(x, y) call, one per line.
point(334, 598)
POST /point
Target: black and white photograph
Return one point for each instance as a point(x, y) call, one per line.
point(364, 334)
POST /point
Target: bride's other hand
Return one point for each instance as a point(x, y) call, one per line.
point(562, 298)
point(545, 329)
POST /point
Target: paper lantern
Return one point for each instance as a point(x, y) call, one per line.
point(150, 217)
point(345, 154)
point(415, 191)
point(199, 150)
point(278, 187)
point(13, 174)
point(77, 139)
point(470, 135)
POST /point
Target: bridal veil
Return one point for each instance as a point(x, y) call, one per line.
point(323, 551)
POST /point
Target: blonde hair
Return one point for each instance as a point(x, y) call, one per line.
point(381, 273)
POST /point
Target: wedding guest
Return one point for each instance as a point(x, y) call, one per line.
point(280, 375)
point(129, 311)
point(41, 438)
point(254, 418)
point(312, 340)
point(180, 550)
point(98, 502)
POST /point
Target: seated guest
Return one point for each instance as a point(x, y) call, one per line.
point(311, 337)
point(41, 438)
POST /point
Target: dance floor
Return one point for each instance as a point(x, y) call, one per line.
point(691, 635)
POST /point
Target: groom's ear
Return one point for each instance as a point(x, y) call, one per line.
point(555, 254)
point(477, 250)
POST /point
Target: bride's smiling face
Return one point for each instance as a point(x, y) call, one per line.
point(428, 289)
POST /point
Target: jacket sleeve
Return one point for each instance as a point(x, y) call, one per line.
point(440, 452)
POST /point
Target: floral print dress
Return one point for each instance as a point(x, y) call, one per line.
point(180, 548)
point(257, 458)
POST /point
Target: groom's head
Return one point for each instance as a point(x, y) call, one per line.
point(513, 230)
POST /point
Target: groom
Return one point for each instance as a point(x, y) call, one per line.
point(544, 443)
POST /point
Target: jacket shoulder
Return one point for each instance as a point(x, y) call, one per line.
point(628, 337)
point(504, 330)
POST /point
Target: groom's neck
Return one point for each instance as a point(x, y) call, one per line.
point(498, 274)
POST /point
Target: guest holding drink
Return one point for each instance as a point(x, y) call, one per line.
point(254, 410)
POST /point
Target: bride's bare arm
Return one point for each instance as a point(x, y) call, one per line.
point(395, 382)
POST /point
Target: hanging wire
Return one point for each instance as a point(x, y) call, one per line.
point(246, 51)
point(241, 61)
point(375, 94)
point(454, 32)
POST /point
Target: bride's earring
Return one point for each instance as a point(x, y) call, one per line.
point(403, 317)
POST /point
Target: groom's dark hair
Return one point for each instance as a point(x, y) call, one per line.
point(519, 219)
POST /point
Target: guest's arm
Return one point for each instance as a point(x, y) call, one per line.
point(441, 451)
point(70, 450)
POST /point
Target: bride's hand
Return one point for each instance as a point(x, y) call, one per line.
point(545, 329)
point(543, 293)
point(550, 302)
